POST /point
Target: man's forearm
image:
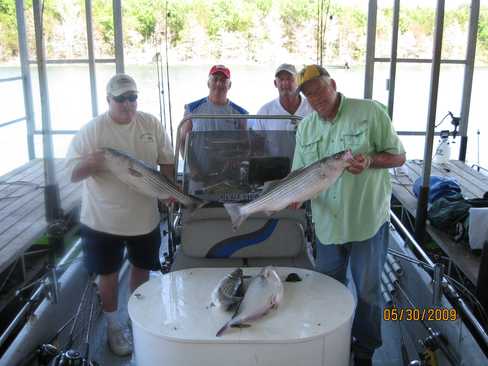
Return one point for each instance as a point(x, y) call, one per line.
point(385, 160)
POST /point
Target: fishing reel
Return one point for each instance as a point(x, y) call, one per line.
point(68, 358)
point(46, 353)
point(72, 358)
point(49, 355)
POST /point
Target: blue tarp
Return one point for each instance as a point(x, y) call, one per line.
point(438, 187)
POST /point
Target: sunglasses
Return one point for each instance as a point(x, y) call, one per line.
point(122, 99)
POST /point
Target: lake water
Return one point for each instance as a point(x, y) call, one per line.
point(252, 86)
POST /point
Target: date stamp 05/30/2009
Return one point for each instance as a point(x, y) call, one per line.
point(422, 314)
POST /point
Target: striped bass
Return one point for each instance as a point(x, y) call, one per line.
point(265, 292)
point(299, 186)
point(144, 179)
point(229, 290)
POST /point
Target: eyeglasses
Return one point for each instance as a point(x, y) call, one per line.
point(122, 98)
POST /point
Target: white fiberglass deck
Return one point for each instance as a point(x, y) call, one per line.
point(174, 323)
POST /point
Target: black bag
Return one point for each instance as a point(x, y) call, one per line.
point(447, 211)
point(451, 214)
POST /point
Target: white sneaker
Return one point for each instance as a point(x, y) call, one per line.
point(118, 341)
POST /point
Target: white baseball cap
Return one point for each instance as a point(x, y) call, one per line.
point(120, 84)
point(286, 67)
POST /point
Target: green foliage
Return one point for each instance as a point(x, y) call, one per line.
point(244, 22)
point(177, 13)
point(457, 16)
point(8, 26)
point(143, 13)
point(229, 16)
point(483, 31)
point(264, 7)
point(103, 21)
point(7, 7)
point(421, 20)
point(293, 14)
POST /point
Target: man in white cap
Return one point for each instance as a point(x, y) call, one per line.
point(113, 216)
point(288, 103)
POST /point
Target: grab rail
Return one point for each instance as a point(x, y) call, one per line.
point(462, 306)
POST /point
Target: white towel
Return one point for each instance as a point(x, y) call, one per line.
point(478, 227)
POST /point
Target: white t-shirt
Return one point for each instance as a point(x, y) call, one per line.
point(275, 107)
point(107, 204)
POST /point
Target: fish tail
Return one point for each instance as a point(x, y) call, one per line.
point(192, 207)
point(234, 211)
point(223, 329)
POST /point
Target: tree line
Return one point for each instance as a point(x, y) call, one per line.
point(245, 30)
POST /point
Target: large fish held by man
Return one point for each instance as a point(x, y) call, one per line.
point(265, 292)
point(299, 186)
point(146, 180)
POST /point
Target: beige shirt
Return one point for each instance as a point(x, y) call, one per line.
point(108, 205)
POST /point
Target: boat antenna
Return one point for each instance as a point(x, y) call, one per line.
point(167, 70)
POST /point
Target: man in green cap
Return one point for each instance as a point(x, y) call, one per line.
point(351, 218)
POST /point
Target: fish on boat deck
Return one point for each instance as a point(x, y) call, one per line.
point(229, 291)
point(265, 292)
point(144, 179)
point(299, 186)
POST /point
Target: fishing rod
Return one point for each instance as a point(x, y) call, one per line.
point(321, 28)
point(49, 355)
point(162, 104)
point(86, 359)
point(167, 72)
point(46, 352)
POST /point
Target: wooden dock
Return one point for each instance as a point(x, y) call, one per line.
point(473, 185)
point(22, 209)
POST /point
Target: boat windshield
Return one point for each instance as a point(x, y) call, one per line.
point(232, 166)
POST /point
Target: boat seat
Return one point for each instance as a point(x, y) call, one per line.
point(208, 240)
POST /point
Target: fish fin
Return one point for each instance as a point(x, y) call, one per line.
point(294, 173)
point(233, 209)
point(239, 325)
point(223, 329)
point(240, 291)
point(232, 306)
point(193, 207)
point(269, 185)
point(134, 173)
